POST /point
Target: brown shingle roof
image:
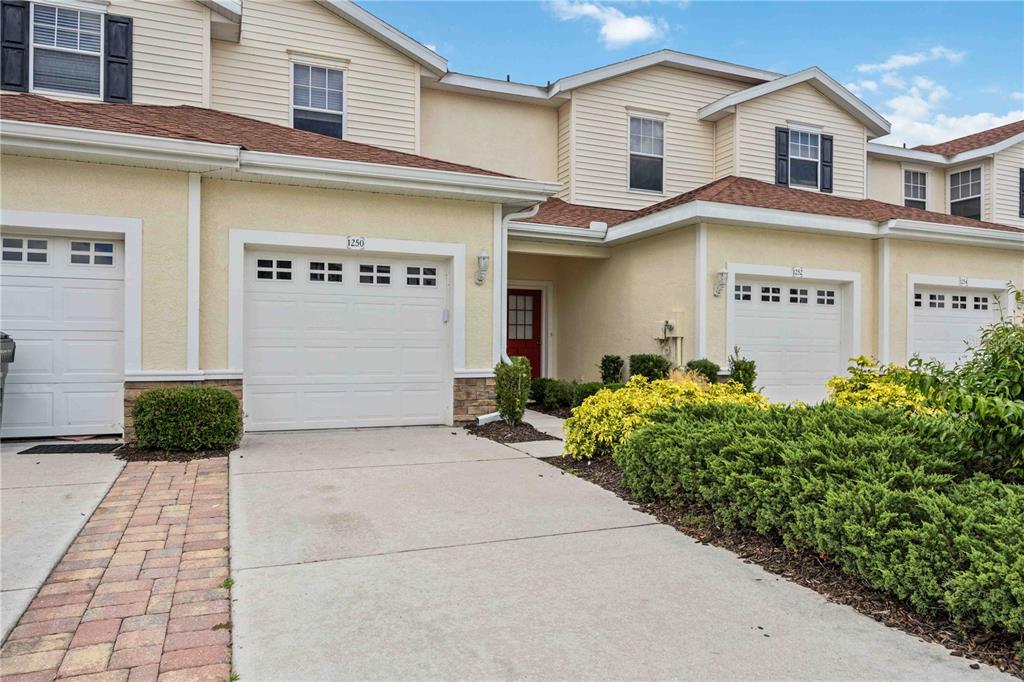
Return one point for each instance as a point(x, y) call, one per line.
point(975, 141)
point(748, 192)
point(207, 125)
point(557, 212)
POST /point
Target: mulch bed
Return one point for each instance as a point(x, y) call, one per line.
point(502, 432)
point(560, 412)
point(130, 453)
point(807, 569)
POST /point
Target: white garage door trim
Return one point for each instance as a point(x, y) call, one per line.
point(240, 239)
point(125, 229)
point(847, 282)
point(972, 284)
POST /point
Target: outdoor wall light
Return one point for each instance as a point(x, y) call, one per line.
point(483, 261)
point(721, 279)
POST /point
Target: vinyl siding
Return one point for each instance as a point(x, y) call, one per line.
point(600, 129)
point(759, 117)
point(1006, 185)
point(725, 147)
point(565, 151)
point(475, 131)
point(253, 78)
point(171, 45)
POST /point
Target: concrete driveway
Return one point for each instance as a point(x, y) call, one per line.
point(426, 553)
point(44, 501)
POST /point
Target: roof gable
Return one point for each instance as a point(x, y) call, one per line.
point(986, 138)
point(813, 76)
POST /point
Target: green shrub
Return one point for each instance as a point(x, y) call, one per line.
point(611, 369)
point(649, 365)
point(868, 384)
point(886, 495)
point(539, 389)
point(512, 388)
point(706, 368)
point(187, 418)
point(560, 395)
point(742, 370)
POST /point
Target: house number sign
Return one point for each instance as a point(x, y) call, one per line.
point(357, 243)
point(798, 271)
point(963, 281)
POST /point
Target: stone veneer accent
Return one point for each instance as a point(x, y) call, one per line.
point(472, 398)
point(133, 389)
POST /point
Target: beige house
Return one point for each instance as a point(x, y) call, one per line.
point(299, 202)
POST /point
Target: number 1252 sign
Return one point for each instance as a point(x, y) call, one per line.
point(357, 242)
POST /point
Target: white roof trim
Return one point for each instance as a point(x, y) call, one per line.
point(820, 80)
point(348, 10)
point(900, 153)
point(229, 9)
point(519, 92)
point(595, 234)
point(672, 58)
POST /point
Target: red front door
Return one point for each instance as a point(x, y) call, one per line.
point(524, 327)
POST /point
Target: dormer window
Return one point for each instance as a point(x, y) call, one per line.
point(914, 189)
point(318, 100)
point(965, 194)
point(646, 154)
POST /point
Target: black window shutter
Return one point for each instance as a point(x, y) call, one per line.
point(782, 156)
point(117, 59)
point(826, 163)
point(14, 45)
point(1020, 189)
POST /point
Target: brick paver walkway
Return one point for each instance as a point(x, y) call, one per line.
point(140, 594)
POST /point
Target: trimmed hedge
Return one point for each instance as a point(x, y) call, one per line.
point(611, 369)
point(708, 369)
point(187, 418)
point(554, 394)
point(649, 365)
point(512, 388)
point(883, 494)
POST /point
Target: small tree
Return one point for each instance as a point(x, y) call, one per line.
point(512, 388)
point(742, 370)
point(611, 369)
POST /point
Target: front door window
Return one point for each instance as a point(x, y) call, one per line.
point(524, 327)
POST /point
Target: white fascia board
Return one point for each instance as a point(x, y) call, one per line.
point(478, 85)
point(977, 236)
point(561, 233)
point(824, 84)
point(381, 177)
point(887, 151)
point(671, 58)
point(229, 9)
point(40, 139)
point(389, 34)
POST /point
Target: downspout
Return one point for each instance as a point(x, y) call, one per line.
point(501, 280)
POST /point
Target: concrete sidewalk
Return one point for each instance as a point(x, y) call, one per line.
point(425, 553)
point(45, 500)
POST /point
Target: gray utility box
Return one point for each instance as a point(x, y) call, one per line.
point(7, 347)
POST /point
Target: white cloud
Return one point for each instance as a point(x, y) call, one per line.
point(617, 29)
point(1019, 96)
point(893, 81)
point(901, 61)
point(860, 87)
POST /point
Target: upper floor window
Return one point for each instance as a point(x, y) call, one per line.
point(646, 154)
point(914, 189)
point(804, 156)
point(965, 193)
point(66, 50)
point(318, 100)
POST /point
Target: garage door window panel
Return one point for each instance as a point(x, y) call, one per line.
point(375, 274)
point(25, 250)
point(272, 268)
point(92, 253)
point(325, 271)
point(417, 276)
point(981, 302)
point(742, 292)
point(771, 294)
point(798, 295)
point(826, 297)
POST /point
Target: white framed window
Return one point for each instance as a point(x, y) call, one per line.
point(92, 253)
point(273, 268)
point(376, 274)
point(915, 188)
point(318, 99)
point(324, 271)
point(958, 302)
point(25, 250)
point(798, 295)
point(646, 154)
point(742, 292)
point(67, 50)
point(420, 276)
point(981, 302)
point(771, 294)
point(804, 158)
point(965, 193)
point(826, 297)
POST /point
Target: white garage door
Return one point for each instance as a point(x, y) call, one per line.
point(795, 334)
point(945, 321)
point(340, 341)
point(63, 302)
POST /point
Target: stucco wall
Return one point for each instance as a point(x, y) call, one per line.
point(158, 198)
point(727, 244)
point(246, 205)
point(923, 258)
point(508, 137)
point(885, 180)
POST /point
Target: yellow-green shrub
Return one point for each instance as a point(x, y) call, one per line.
point(603, 420)
point(874, 386)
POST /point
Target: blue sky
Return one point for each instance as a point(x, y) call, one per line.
point(936, 70)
